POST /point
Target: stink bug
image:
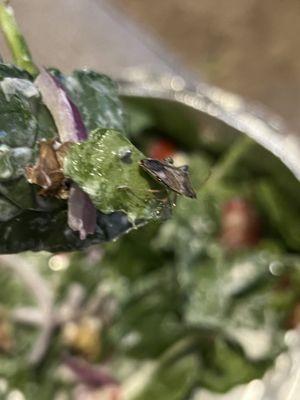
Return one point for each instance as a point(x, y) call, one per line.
point(175, 178)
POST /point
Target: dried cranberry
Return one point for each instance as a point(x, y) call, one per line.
point(161, 149)
point(240, 224)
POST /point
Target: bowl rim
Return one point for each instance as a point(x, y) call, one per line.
point(271, 132)
point(251, 118)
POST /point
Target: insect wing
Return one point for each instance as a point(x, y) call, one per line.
point(175, 178)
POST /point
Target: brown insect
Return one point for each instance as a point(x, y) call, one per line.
point(47, 172)
point(175, 178)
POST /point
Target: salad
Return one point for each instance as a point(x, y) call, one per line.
point(197, 277)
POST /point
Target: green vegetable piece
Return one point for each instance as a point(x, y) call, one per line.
point(15, 39)
point(11, 71)
point(225, 365)
point(31, 222)
point(19, 192)
point(107, 168)
point(6, 169)
point(18, 102)
point(96, 97)
point(13, 161)
point(7, 210)
point(170, 381)
point(283, 215)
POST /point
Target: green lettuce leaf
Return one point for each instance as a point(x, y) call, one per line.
point(106, 167)
point(170, 382)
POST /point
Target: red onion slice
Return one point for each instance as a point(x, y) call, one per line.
point(64, 112)
point(81, 211)
point(88, 374)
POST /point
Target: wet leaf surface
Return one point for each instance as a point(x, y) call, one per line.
point(107, 168)
point(121, 193)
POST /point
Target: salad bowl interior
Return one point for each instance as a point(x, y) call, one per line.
point(253, 156)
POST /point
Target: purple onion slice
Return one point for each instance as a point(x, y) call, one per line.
point(81, 211)
point(88, 374)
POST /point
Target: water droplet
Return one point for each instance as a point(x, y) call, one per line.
point(59, 262)
point(15, 395)
point(6, 169)
point(6, 173)
point(276, 268)
point(125, 155)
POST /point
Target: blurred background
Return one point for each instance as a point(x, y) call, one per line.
point(247, 46)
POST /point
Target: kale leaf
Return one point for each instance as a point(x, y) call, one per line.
point(29, 221)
